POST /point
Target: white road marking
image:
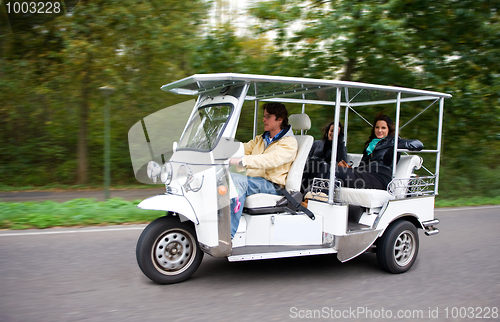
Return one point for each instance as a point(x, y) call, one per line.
point(467, 208)
point(83, 230)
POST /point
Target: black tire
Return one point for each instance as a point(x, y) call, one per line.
point(168, 251)
point(397, 249)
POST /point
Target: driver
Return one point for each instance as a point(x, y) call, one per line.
point(267, 159)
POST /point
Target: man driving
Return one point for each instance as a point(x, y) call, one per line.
point(267, 160)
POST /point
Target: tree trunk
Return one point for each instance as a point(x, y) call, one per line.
point(349, 69)
point(82, 153)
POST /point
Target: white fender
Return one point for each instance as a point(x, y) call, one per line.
point(174, 203)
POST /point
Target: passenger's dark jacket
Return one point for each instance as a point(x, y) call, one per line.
point(322, 150)
point(380, 161)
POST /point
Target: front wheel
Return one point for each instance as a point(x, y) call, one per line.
point(398, 248)
point(167, 250)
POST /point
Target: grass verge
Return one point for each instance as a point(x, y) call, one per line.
point(77, 212)
point(466, 202)
point(62, 187)
point(88, 212)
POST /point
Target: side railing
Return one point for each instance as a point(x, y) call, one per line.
point(412, 187)
point(319, 189)
point(399, 188)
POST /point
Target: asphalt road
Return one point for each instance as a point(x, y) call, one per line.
point(90, 274)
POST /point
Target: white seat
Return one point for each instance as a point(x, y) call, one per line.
point(260, 200)
point(373, 198)
point(406, 165)
point(294, 178)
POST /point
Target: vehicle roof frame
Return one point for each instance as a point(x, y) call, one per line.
point(200, 84)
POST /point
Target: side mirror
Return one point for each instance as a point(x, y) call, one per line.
point(174, 146)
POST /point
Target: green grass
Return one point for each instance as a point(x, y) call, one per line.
point(77, 212)
point(465, 202)
point(88, 212)
point(62, 187)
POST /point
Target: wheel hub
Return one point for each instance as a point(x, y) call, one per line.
point(403, 248)
point(173, 251)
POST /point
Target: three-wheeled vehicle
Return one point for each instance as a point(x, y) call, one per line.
point(194, 167)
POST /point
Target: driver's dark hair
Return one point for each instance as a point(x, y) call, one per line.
point(279, 110)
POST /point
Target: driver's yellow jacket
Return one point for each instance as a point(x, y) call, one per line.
point(271, 163)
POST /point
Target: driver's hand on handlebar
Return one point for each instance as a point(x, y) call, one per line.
point(236, 161)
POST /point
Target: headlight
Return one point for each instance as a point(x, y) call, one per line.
point(166, 173)
point(153, 170)
point(186, 178)
point(184, 175)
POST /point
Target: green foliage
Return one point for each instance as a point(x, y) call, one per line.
point(448, 46)
point(221, 51)
point(78, 212)
point(50, 76)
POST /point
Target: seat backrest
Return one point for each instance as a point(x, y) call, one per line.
point(406, 165)
point(404, 169)
point(299, 122)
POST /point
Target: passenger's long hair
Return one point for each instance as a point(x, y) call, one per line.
point(327, 129)
point(390, 124)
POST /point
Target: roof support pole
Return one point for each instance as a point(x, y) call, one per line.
point(346, 116)
point(440, 131)
point(396, 135)
point(333, 164)
point(302, 132)
point(255, 114)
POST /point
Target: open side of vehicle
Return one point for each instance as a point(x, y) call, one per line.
point(198, 185)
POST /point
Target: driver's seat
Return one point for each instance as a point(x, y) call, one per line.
point(263, 203)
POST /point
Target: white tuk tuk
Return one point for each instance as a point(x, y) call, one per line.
point(194, 167)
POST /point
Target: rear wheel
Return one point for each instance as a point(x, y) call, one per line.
point(398, 248)
point(167, 250)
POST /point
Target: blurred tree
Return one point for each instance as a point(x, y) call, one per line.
point(119, 40)
point(221, 50)
point(450, 46)
point(52, 72)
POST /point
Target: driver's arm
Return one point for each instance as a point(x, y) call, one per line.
point(284, 151)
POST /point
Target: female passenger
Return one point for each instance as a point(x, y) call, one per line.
point(375, 168)
point(320, 156)
point(322, 149)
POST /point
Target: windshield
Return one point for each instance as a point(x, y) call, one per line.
point(206, 127)
point(152, 137)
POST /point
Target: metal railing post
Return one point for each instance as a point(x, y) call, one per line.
point(335, 142)
point(438, 155)
point(396, 136)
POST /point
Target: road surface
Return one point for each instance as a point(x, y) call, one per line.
point(90, 274)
